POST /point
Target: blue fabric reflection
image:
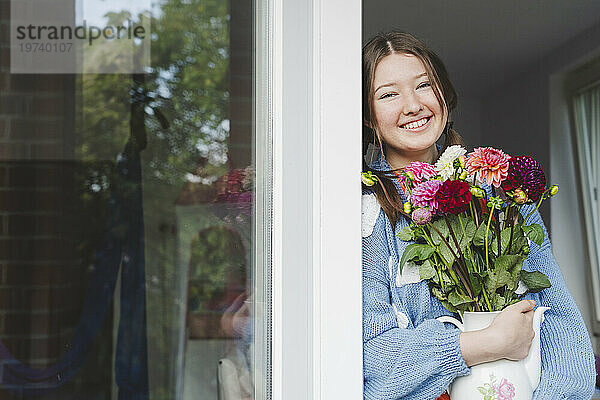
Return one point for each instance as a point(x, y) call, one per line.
point(122, 245)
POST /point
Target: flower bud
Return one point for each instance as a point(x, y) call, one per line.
point(421, 216)
point(520, 196)
point(407, 207)
point(368, 178)
point(410, 175)
point(463, 175)
point(553, 190)
point(461, 160)
point(477, 192)
point(495, 203)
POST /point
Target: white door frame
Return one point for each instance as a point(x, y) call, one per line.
point(316, 243)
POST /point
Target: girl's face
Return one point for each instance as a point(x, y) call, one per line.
point(409, 117)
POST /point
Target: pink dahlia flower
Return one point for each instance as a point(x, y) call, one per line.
point(504, 390)
point(423, 195)
point(421, 216)
point(489, 164)
point(420, 171)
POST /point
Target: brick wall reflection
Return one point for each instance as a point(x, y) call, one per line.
point(43, 222)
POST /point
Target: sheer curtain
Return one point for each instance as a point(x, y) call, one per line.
point(586, 107)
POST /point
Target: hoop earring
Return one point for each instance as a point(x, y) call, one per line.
point(372, 153)
point(380, 143)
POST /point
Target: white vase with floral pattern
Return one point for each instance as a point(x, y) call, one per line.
point(501, 379)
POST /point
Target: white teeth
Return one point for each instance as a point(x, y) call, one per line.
point(415, 124)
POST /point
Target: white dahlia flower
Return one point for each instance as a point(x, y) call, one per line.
point(445, 164)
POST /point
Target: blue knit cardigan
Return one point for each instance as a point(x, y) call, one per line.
point(408, 354)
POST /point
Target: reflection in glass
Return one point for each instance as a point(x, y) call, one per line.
point(127, 218)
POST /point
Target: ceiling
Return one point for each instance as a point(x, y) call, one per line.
point(484, 43)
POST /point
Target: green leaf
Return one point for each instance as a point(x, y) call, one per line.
point(446, 253)
point(479, 237)
point(415, 251)
point(475, 284)
point(447, 280)
point(448, 306)
point(513, 301)
point(517, 240)
point(441, 226)
point(495, 279)
point(426, 270)
point(456, 299)
point(482, 390)
point(504, 239)
point(535, 233)
point(455, 225)
point(406, 234)
point(470, 266)
point(463, 232)
point(470, 229)
point(535, 281)
point(512, 264)
point(479, 262)
point(439, 294)
point(498, 302)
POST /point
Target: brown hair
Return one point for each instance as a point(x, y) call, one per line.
point(380, 46)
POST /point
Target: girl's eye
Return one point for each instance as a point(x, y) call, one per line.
point(424, 85)
point(386, 95)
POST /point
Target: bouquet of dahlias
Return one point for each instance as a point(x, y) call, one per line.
point(468, 244)
point(234, 189)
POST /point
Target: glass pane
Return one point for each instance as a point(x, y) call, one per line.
point(132, 215)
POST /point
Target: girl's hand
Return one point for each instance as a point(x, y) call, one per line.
point(509, 336)
point(513, 330)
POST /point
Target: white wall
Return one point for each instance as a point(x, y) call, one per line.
point(528, 114)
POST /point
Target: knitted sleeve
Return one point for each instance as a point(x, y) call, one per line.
point(568, 370)
point(407, 363)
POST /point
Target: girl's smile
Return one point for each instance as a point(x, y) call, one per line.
point(409, 116)
point(418, 125)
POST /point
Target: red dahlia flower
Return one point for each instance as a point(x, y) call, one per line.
point(526, 174)
point(454, 197)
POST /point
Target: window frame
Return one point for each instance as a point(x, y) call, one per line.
point(316, 110)
point(576, 81)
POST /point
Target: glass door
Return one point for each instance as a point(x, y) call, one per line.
point(134, 201)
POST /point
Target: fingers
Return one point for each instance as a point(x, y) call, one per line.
point(524, 305)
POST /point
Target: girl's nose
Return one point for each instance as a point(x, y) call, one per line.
point(412, 104)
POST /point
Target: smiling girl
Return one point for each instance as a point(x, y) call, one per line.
point(408, 354)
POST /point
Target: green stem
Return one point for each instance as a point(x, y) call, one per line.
point(465, 233)
point(472, 213)
point(455, 240)
point(487, 229)
point(538, 204)
point(455, 278)
point(428, 239)
point(474, 209)
point(497, 225)
point(456, 258)
point(486, 299)
point(507, 215)
point(439, 274)
point(513, 217)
